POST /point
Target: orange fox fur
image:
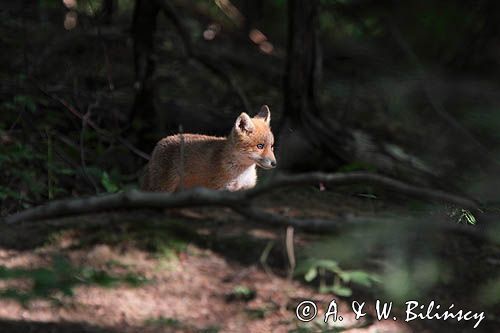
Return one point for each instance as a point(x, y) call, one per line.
point(220, 163)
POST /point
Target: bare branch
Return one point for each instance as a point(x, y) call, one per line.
point(238, 201)
point(93, 125)
point(290, 251)
point(363, 178)
point(127, 200)
point(85, 118)
point(310, 224)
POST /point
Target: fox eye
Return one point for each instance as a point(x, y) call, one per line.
point(260, 146)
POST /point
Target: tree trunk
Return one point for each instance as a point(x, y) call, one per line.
point(316, 140)
point(143, 32)
point(301, 116)
point(252, 11)
point(108, 8)
point(303, 60)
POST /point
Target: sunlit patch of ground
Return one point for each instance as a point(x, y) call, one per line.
point(177, 285)
point(195, 270)
point(189, 294)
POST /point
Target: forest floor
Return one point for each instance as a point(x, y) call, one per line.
point(147, 271)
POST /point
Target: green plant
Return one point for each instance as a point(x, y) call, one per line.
point(175, 324)
point(25, 101)
point(313, 268)
point(241, 292)
point(24, 183)
point(315, 327)
point(463, 215)
point(209, 329)
point(61, 277)
point(108, 184)
point(164, 322)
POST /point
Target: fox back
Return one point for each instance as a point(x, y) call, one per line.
point(184, 161)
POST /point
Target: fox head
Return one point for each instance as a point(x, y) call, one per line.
point(254, 140)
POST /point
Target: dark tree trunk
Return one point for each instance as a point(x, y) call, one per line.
point(303, 59)
point(473, 52)
point(143, 33)
point(107, 10)
point(316, 140)
point(301, 114)
point(252, 11)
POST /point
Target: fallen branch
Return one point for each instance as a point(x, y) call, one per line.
point(310, 224)
point(364, 178)
point(238, 201)
point(126, 200)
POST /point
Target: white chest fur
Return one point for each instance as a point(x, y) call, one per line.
point(243, 180)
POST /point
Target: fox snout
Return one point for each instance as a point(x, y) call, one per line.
point(267, 162)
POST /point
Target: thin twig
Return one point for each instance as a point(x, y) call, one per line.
point(290, 251)
point(365, 178)
point(105, 50)
point(50, 176)
point(85, 119)
point(181, 162)
point(264, 256)
point(94, 126)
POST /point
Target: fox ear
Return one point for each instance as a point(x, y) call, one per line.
point(264, 114)
point(244, 124)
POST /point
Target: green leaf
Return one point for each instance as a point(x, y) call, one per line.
point(342, 290)
point(108, 184)
point(359, 277)
point(25, 101)
point(305, 266)
point(338, 290)
point(242, 291)
point(468, 217)
point(311, 274)
point(330, 265)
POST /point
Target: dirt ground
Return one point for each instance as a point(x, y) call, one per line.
point(210, 280)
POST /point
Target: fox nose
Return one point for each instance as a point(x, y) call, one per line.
point(273, 164)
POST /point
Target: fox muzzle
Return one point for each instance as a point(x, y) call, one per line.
point(266, 163)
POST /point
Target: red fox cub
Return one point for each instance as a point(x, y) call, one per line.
point(220, 163)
